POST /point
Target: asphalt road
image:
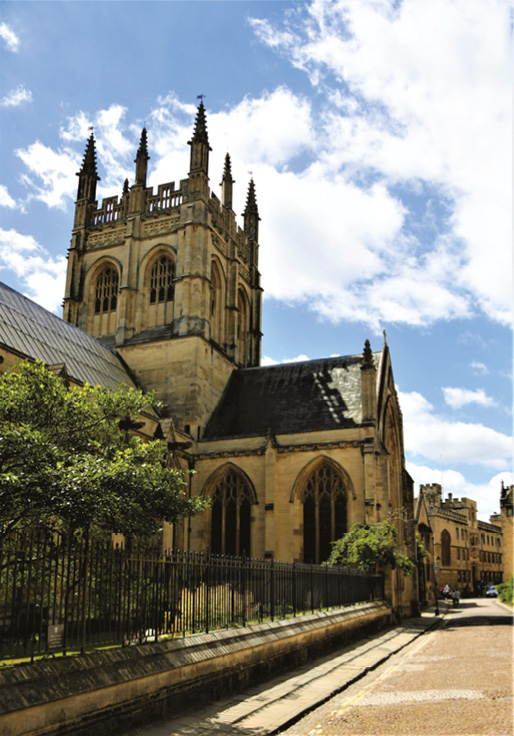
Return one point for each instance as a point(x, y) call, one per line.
point(455, 680)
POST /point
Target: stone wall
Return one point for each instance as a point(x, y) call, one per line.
point(110, 692)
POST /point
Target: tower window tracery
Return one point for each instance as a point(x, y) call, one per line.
point(324, 512)
point(242, 328)
point(161, 280)
point(216, 315)
point(231, 515)
point(106, 292)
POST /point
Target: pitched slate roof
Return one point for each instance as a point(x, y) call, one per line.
point(32, 331)
point(289, 398)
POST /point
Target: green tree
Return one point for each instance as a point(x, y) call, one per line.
point(506, 590)
point(68, 461)
point(368, 546)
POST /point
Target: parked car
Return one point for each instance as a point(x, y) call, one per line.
point(491, 592)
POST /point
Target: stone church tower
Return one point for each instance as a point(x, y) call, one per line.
point(169, 279)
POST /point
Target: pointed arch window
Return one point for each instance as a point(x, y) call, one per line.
point(231, 515)
point(216, 304)
point(106, 291)
point(162, 276)
point(242, 327)
point(446, 548)
point(324, 512)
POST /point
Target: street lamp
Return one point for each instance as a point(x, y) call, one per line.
point(436, 591)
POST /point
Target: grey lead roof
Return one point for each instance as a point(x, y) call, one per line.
point(36, 333)
point(289, 398)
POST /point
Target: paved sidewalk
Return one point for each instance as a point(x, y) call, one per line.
point(274, 705)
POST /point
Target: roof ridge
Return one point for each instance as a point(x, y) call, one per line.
point(307, 362)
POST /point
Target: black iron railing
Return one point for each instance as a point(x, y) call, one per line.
point(58, 595)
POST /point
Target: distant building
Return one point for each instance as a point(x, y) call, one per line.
point(507, 526)
point(464, 552)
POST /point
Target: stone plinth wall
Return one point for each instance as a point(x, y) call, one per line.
point(111, 691)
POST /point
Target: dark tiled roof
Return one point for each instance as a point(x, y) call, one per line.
point(36, 333)
point(289, 398)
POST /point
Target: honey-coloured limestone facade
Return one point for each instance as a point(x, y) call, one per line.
point(463, 551)
point(163, 289)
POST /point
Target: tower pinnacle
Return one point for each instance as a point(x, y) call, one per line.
point(251, 213)
point(200, 143)
point(141, 160)
point(226, 184)
point(88, 175)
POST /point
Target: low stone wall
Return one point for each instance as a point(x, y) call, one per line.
point(112, 691)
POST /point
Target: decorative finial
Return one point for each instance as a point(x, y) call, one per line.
point(88, 175)
point(385, 337)
point(200, 129)
point(367, 359)
point(227, 169)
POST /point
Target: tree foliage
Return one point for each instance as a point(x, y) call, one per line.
point(506, 591)
point(66, 462)
point(368, 546)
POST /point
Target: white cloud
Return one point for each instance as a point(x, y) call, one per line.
point(478, 368)
point(5, 198)
point(340, 176)
point(420, 92)
point(9, 37)
point(16, 97)
point(486, 495)
point(267, 361)
point(42, 275)
point(435, 438)
point(52, 177)
point(459, 397)
point(272, 129)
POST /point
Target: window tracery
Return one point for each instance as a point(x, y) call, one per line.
point(161, 280)
point(324, 512)
point(231, 515)
point(106, 291)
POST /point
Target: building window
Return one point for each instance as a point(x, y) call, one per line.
point(446, 550)
point(231, 515)
point(106, 292)
point(324, 512)
point(161, 280)
point(217, 328)
point(242, 328)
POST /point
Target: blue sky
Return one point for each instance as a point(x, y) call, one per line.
point(378, 135)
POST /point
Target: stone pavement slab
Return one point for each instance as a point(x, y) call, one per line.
point(270, 707)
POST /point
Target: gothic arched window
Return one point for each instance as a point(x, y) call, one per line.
point(216, 304)
point(242, 327)
point(324, 512)
point(446, 548)
point(230, 516)
point(106, 291)
point(161, 280)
